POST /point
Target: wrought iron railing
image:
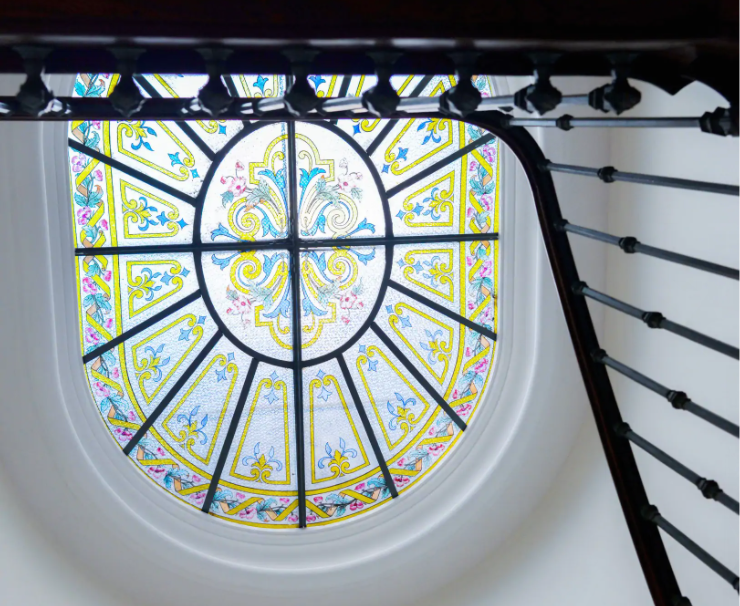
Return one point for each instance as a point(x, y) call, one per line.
point(216, 99)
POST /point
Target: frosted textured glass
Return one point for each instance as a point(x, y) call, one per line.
point(251, 294)
point(339, 288)
point(247, 198)
point(199, 218)
point(338, 196)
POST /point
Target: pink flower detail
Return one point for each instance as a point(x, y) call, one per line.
point(109, 322)
point(435, 449)
point(455, 395)
point(236, 185)
point(196, 479)
point(360, 486)
point(471, 305)
point(400, 461)
point(115, 374)
point(78, 163)
point(347, 181)
point(292, 519)
point(102, 389)
point(89, 286)
point(486, 269)
point(83, 215)
point(131, 415)
point(469, 212)
point(240, 495)
point(104, 223)
point(489, 152)
point(487, 202)
point(468, 353)
point(160, 451)
point(481, 366)
point(473, 166)
point(469, 261)
point(239, 165)
point(98, 175)
point(284, 500)
point(464, 410)
point(96, 123)
point(91, 335)
point(310, 518)
point(107, 276)
point(318, 499)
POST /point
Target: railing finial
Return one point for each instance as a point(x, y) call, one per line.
point(301, 97)
point(126, 97)
point(382, 99)
point(214, 97)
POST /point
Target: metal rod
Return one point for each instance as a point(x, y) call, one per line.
point(567, 122)
point(132, 332)
point(652, 514)
point(608, 174)
point(295, 285)
point(709, 488)
point(339, 104)
point(152, 418)
point(678, 399)
point(226, 446)
point(414, 105)
point(655, 319)
point(631, 245)
point(368, 428)
point(282, 243)
point(414, 371)
point(629, 486)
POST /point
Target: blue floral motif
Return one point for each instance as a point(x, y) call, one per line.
point(192, 428)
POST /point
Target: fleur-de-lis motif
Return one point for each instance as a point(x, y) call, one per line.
point(337, 460)
point(143, 285)
point(434, 347)
point(152, 366)
point(402, 417)
point(140, 132)
point(193, 430)
point(262, 465)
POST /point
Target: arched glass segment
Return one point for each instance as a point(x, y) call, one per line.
point(285, 323)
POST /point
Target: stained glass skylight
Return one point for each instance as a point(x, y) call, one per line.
point(207, 251)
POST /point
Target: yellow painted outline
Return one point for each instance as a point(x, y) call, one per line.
point(365, 357)
point(446, 204)
point(443, 124)
point(279, 386)
point(136, 293)
point(445, 270)
point(328, 381)
point(127, 130)
point(132, 215)
point(143, 369)
point(186, 441)
point(394, 321)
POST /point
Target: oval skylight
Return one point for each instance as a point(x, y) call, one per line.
point(187, 238)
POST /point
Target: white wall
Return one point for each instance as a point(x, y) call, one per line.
point(705, 226)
